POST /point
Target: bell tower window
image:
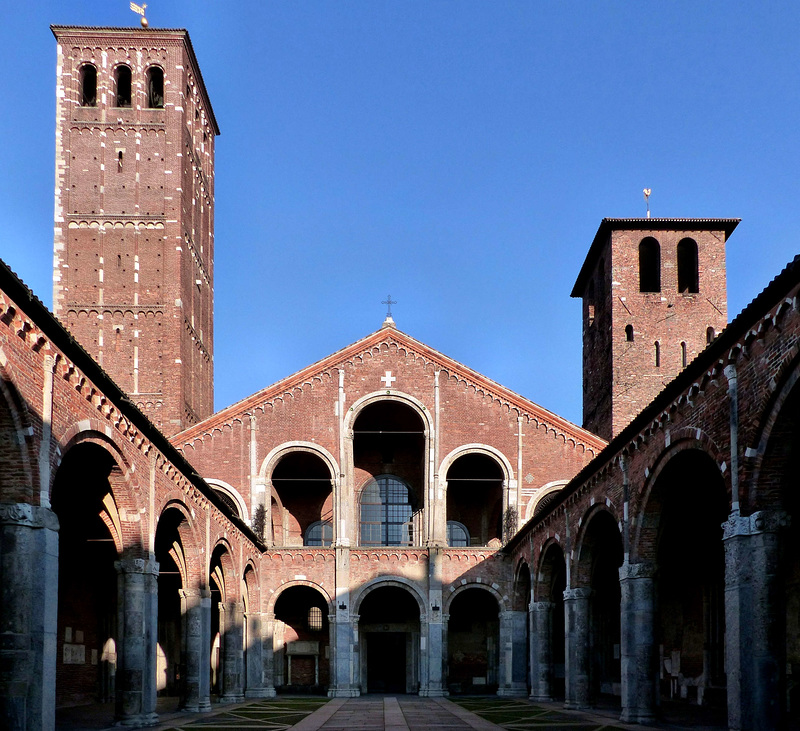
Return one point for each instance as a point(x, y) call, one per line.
point(123, 86)
point(649, 265)
point(155, 88)
point(687, 267)
point(88, 81)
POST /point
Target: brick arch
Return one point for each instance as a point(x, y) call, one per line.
point(126, 533)
point(585, 540)
point(764, 485)
point(275, 455)
point(520, 600)
point(544, 491)
point(475, 448)
point(649, 505)
point(233, 494)
point(298, 582)
point(359, 595)
point(17, 461)
point(501, 600)
point(251, 590)
point(191, 540)
point(227, 577)
point(543, 580)
point(415, 404)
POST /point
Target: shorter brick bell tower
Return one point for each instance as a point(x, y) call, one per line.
point(654, 295)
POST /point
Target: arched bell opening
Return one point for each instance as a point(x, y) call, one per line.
point(475, 498)
point(389, 639)
point(473, 632)
point(302, 641)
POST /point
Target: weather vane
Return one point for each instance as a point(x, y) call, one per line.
point(647, 192)
point(140, 10)
point(389, 302)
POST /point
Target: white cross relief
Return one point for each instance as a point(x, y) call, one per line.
point(388, 379)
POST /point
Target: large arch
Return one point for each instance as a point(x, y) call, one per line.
point(548, 663)
point(390, 437)
point(680, 536)
point(16, 465)
point(391, 618)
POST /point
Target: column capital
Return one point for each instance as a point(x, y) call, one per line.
point(581, 592)
point(30, 516)
point(541, 607)
point(644, 570)
point(763, 521)
point(136, 566)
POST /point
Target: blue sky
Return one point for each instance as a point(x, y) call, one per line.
point(458, 155)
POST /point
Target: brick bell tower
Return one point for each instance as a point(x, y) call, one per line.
point(654, 295)
point(133, 270)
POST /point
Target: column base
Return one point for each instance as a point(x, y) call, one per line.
point(537, 698)
point(260, 693)
point(576, 706)
point(512, 692)
point(144, 719)
point(232, 698)
point(344, 693)
point(433, 693)
point(645, 719)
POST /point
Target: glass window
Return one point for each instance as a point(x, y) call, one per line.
point(386, 513)
point(319, 534)
point(457, 534)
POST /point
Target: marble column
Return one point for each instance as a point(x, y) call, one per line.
point(541, 624)
point(576, 651)
point(513, 654)
point(137, 608)
point(754, 620)
point(28, 614)
point(255, 685)
point(433, 642)
point(232, 653)
point(196, 611)
point(638, 656)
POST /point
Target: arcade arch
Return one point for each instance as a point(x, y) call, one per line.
point(475, 482)
point(473, 641)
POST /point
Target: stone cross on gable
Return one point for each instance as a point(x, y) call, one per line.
point(388, 379)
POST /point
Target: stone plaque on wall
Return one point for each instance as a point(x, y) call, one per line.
point(74, 654)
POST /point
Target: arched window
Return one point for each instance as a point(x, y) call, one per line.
point(710, 334)
point(657, 346)
point(457, 534)
point(687, 267)
point(386, 513)
point(649, 265)
point(155, 88)
point(684, 355)
point(122, 86)
point(88, 81)
point(629, 333)
point(319, 534)
point(314, 621)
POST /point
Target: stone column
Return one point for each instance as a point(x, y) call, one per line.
point(232, 653)
point(513, 653)
point(28, 614)
point(255, 685)
point(541, 624)
point(196, 611)
point(435, 686)
point(576, 651)
point(268, 653)
point(754, 620)
point(137, 611)
point(639, 659)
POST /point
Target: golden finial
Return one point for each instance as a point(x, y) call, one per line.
point(140, 10)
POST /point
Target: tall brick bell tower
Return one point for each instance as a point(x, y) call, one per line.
point(133, 270)
point(654, 295)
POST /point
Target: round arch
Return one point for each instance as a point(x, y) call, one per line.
point(415, 404)
point(17, 421)
point(396, 581)
point(542, 493)
point(273, 598)
point(233, 494)
point(277, 453)
point(476, 448)
point(501, 600)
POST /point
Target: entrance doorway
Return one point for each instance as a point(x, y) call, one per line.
point(386, 662)
point(389, 637)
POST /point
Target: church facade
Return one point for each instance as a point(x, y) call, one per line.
point(387, 519)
